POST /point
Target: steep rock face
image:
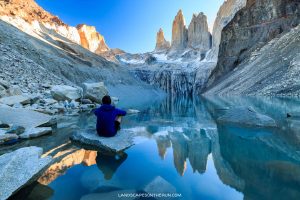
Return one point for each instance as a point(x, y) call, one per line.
point(179, 32)
point(198, 35)
point(225, 14)
point(33, 14)
point(175, 78)
point(91, 39)
point(161, 43)
point(271, 70)
point(252, 27)
point(14, 11)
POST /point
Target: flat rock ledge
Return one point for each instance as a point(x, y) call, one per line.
point(91, 140)
point(20, 168)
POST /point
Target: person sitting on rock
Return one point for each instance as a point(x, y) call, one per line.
point(108, 118)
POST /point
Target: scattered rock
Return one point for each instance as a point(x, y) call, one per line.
point(2, 132)
point(4, 84)
point(48, 101)
point(14, 91)
point(246, 116)
point(23, 117)
point(87, 107)
point(65, 92)
point(3, 125)
point(6, 138)
point(18, 99)
point(22, 167)
point(15, 129)
point(35, 132)
point(94, 91)
point(159, 185)
point(86, 101)
point(123, 140)
point(132, 111)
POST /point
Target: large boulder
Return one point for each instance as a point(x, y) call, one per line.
point(65, 92)
point(24, 117)
point(246, 116)
point(4, 84)
point(36, 132)
point(20, 168)
point(17, 99)
point(94, 91)
point(90, 139)
point(6, 138)
point(159, 185)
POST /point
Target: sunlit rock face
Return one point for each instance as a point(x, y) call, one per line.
point(161, 42)
point(225, 14)
point(82, 156)
point(91, 39)
point(198, 35)
point(254, 26)
point(38, 18)
point(179, 32)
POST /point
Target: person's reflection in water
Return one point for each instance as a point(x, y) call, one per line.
point(109, 163)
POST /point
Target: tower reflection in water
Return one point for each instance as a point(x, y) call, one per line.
point(109, 163)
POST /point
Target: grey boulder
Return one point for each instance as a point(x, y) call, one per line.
point(4, 84)
point(20, 168)
point(65, 92)
point(23, 117)
point(6, 138)
point(246, 116)
point(15, 129)
point(94, 91)
point(89, 138)
point(36, 132)
point(159, 185)
point(17, 99)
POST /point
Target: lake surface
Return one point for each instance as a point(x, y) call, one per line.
point(184, 149)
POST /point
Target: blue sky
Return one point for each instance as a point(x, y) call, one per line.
point(130, 25)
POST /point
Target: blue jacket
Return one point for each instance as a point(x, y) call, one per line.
point(106, 116)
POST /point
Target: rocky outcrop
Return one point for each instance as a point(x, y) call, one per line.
point(179, 32)
point(225, 14)
point(182, 78)
point(65, 92)
point(246, 116)
point(251, 29)
point(22, 167)
point(91, 140)
point(94, 91)
point(161, 42)
point(24, 117)
point(38, 18)
point(199, 36)
point(91, 39)
point(159, 185)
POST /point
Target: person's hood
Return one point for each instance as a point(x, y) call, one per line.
point(106, 107)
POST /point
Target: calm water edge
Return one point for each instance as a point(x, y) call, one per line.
point(181, 143)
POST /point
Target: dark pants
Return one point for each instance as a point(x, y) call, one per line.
point(117, 127)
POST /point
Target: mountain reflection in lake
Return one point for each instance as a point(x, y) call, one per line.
point(181, 142)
